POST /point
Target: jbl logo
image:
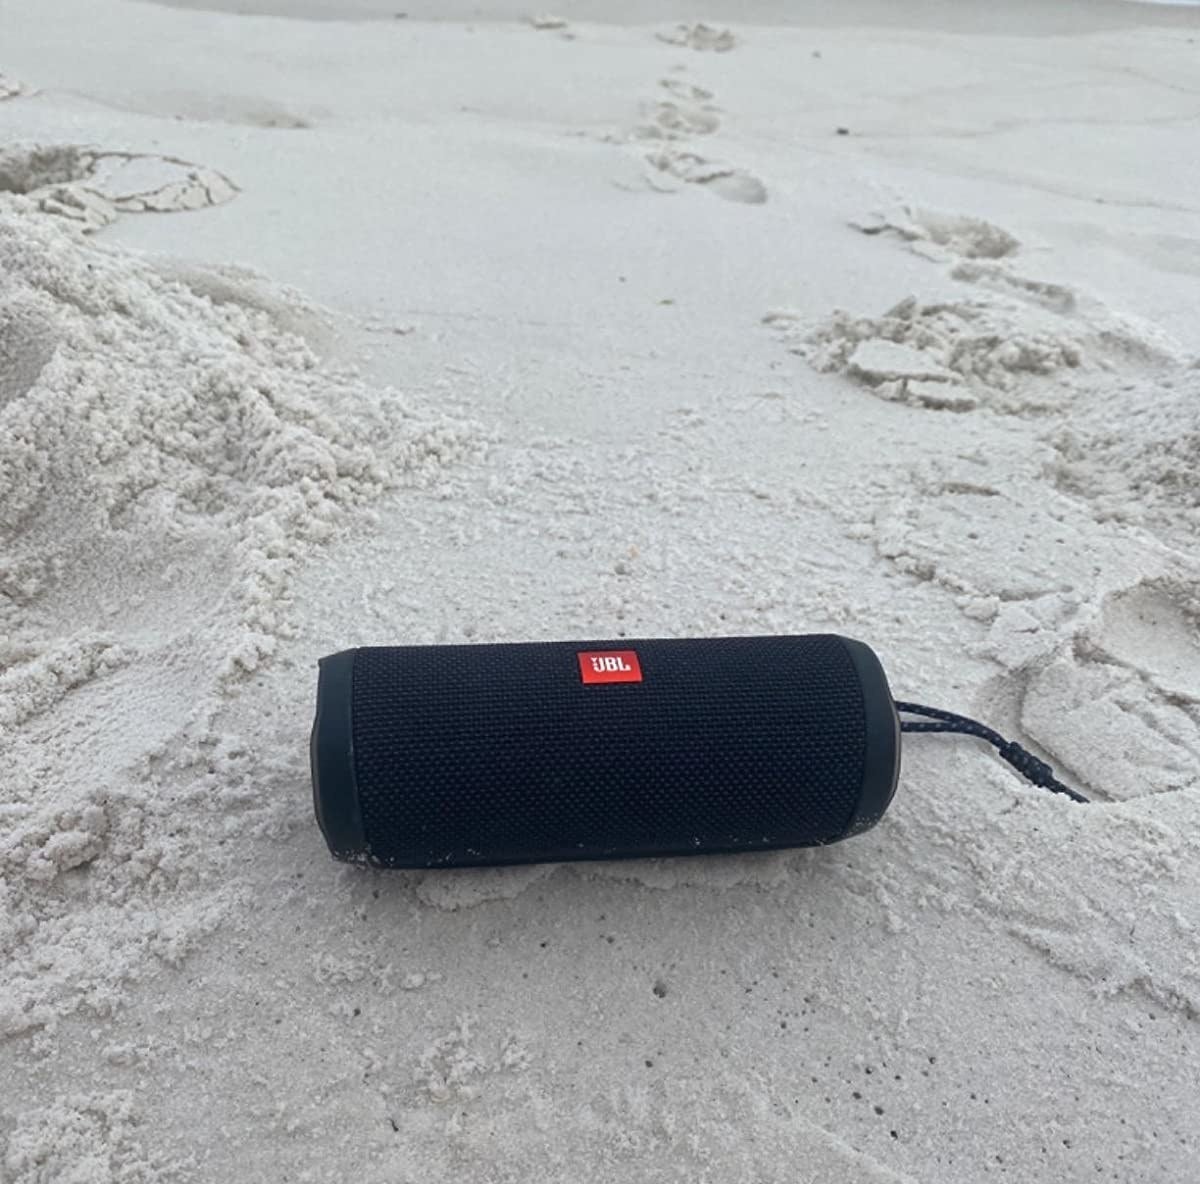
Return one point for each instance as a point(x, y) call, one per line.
point(610, 666)
point(602, 662)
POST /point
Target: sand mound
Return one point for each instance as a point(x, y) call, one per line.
point(945, 355)
point(1004, 340)
point(167, 462)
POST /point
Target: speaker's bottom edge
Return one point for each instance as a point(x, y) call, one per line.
point(574, 855)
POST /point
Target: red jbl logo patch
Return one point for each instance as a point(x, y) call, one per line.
point(610, 666)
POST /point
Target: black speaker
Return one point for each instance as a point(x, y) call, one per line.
point(468, 755)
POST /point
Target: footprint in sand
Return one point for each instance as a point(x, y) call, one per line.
point(688, 112)
point(949, 355)
point(1008, 338)
point(1119, 705)
point(701, 37)
point(725, 181)
point(1019, 347)
point(955, 235)
point(91, 187)
point(669, 120)
point(50, 175)
point(980, 247)
point(1056, 297)
point(1154, 628)
point(137, 183)
point(1131, 452)
point(687, 91)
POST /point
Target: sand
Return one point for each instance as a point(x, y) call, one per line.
point(323, 327)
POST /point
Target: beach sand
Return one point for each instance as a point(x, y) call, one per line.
point(630, 320)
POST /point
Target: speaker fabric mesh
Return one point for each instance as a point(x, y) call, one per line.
point(486, 754)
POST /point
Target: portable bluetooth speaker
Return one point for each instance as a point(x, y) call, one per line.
point(440, 756)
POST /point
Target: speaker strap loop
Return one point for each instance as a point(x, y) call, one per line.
point(1029, 766)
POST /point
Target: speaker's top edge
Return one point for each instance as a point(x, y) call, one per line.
point(601, 642)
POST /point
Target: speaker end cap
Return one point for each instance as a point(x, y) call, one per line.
point(331, 752)
point(881, 765)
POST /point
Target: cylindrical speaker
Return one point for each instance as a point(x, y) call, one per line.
point(469, 755)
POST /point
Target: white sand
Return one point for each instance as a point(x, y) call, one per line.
point(513, 324)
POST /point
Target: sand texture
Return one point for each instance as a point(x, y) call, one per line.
point(322, 326)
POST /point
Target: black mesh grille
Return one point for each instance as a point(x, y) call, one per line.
point(489, 754)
